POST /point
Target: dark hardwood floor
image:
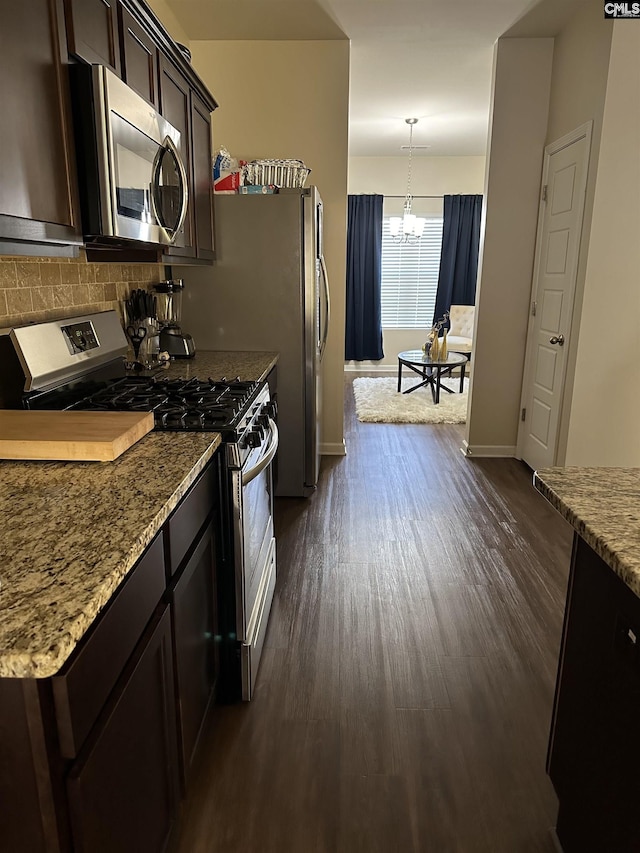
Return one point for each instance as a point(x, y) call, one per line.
point(405, 693)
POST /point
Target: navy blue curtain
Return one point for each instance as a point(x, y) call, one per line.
point(363, 338)
point(460, 246)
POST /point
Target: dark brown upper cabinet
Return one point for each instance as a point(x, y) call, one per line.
point(139, 58)
point(187, 112)
point(92, 30)
point(175, 106)
point(39, 209)
point(38, 198)
point(202, 177)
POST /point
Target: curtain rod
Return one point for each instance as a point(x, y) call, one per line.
point(413, 196)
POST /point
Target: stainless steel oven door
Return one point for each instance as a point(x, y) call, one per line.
point(252, 648)
point(143, 182)
point(255, 563)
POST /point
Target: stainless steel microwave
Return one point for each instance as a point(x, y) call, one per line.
point(133, 183)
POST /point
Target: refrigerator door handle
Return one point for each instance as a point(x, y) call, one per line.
point(327, 305)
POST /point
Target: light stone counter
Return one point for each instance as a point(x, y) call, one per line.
point(603, 506)
point(219, 364)
point(70, 532)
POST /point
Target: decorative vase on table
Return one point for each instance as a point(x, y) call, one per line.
point(442, 355)
point(435, 349)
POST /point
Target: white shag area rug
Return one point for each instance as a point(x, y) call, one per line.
point(378, 401)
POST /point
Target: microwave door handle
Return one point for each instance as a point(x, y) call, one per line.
point(327, 305)
point(184, 189)
point(168, 145)
point(155, 184)
point(266, 459)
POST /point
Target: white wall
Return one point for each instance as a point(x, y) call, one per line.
point(517, 131)
point(432, 176)
point(291, 99)
point(605, 405)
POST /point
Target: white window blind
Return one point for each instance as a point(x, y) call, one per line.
point(410, 277)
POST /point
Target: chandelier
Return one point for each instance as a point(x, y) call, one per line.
point(407, 228)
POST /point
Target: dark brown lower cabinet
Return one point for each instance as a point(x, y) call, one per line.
point(123, 788)
point(194, 620)
point(95, 758)
point(594, 753)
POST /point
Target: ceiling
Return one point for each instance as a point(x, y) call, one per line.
point(427, 59)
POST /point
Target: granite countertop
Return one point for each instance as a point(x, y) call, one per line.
point(71, 531)
point(210, 364)
point(603, 506)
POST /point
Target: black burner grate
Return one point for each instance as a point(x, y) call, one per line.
point(178, 404)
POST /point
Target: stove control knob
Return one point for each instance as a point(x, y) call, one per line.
point(271, 409)
point(254, 439)
point(263, 420)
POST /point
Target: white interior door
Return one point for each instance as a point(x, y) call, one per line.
point(557, 251)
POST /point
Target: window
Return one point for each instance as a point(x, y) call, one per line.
point(410, 276)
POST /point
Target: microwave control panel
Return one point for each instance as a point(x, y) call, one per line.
point(80, 337)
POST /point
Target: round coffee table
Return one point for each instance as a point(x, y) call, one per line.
point(431, 371)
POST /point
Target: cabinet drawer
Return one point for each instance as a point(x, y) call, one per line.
point(184, 525)
point(87, 679)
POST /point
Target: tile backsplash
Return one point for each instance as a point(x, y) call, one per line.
point(33, 290)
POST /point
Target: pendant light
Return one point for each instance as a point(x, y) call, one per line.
point(407, 228)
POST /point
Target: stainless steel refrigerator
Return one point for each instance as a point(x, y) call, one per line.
point(268, 290)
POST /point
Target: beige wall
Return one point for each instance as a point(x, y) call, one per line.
point(435, 176)
point(578, 89)
point(291, 99)
point(168, 18)
point(577, 95)
point(517, 131)
point(429, 175)
point(605, 406)
point(580, 63)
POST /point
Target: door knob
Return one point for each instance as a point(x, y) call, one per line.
point(559, 339)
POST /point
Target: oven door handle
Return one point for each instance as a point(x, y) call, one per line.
point(266, 459)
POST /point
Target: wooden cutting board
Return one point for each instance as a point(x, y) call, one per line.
point(72, 436)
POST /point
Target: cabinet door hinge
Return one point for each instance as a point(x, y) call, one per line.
point(524, 415)
point(534, 308)
point(544, 192)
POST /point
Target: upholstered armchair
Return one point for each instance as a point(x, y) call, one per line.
point(460, 335)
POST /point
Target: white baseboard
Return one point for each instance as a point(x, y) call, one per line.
point(373, 368)
point(392, 370)
point(335, 448)
point(499, 451)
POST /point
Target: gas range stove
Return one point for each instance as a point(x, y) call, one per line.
point(178, 404)
point(79, 364)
